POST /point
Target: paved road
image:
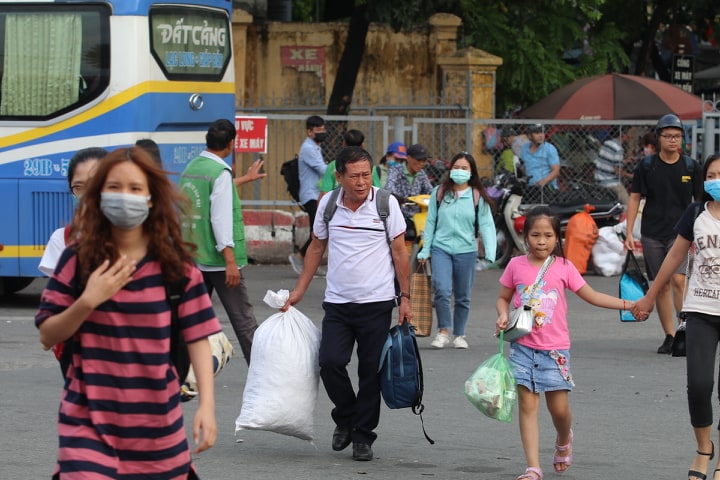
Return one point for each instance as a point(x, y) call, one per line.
point(630, 414)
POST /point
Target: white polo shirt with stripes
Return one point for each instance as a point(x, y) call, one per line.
point(360, 267)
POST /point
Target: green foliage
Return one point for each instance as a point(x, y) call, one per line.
point(533, 37)
point(303, 10)
point(544, 44)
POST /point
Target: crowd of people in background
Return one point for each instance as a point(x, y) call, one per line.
point(127, 239)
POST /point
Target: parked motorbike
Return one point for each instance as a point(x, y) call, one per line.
point(414, 239)
point(511, 203)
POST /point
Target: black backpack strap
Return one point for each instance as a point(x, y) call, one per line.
point(178, 348)
point(382, 203)
point(418, 406)
point(330, 208)
point(70, 344)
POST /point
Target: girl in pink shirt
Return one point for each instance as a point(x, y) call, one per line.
point(541, 359)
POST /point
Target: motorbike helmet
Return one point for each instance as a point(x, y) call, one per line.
point(508, 132)
point(536, 128)
point(668, 121)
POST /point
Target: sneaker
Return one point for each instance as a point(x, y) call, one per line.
point(666, 347)
point(460, 342)
point(296, 263)
point(481, 264)
point(441, 339)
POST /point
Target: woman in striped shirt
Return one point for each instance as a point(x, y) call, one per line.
point(120, 414)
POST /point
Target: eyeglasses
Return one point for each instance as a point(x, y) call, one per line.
point(672, 138)
point(77, 190)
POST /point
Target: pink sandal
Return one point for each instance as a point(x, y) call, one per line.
point(567, 459)
point(531, 473)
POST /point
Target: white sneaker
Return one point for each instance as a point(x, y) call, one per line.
point(460, 342)
point(441, 339)
point(296, 263)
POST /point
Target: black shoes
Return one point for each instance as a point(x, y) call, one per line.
point(341, 438)
point(666, 347)
point(362, 452)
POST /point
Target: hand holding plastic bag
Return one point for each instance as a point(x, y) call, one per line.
point(491, 388)
point(282, 382)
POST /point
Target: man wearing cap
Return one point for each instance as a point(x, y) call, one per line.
point(409, 179)
point(395, 155)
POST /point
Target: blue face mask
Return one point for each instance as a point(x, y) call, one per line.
point(712, 187)
point(459, 176)
point(75, 201)
point(392, 163)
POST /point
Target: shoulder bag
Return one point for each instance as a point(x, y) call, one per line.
point(521, 319)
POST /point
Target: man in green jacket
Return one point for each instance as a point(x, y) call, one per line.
point(215, 225)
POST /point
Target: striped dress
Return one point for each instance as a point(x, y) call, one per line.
point(120, 415)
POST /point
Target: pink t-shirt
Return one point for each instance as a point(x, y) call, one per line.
point(549, 305)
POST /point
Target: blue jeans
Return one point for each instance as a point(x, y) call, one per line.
point(452, 275)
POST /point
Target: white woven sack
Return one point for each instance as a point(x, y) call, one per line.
point(282, 383)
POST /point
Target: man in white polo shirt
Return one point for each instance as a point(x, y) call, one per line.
point(359, 296)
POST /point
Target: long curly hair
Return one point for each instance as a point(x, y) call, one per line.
point(93, 232)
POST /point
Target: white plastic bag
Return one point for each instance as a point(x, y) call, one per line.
point(608, 253)
point(282, 382)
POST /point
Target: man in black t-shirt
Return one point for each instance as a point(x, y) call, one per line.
point(668, 181)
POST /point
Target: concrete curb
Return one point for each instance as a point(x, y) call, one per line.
point(272, 235)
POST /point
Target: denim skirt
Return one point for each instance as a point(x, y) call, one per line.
point(541, 370)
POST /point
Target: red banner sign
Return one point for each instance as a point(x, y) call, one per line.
point(251, 134)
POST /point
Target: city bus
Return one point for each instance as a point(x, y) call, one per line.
point(77, 74)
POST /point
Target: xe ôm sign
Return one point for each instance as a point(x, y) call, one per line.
point(251, 134)
point(304, 59)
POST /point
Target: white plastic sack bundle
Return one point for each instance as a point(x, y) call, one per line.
point(608, 253)
point(282, 382)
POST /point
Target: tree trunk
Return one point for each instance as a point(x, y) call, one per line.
point(659, 12)
point(349, 66)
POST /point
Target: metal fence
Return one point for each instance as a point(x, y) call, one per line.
point(577, 142)
point(286, 133)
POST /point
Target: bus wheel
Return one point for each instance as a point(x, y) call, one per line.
point(10, 285)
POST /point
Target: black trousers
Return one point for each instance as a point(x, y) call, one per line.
point(237, 306)
point(343, 326)
point(701, 336)
point(311, 209)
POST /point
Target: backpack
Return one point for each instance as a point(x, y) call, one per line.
point(476, 198)
point(382, 202)
point(648, 163)
point(290, 171)
point(400, 371)
point(178, 348)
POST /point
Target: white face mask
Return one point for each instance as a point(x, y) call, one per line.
point(124, 210)
point(647, 151)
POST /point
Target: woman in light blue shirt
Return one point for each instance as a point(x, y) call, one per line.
point(459, 210)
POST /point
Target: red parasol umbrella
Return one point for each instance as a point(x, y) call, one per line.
point(616, 97)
